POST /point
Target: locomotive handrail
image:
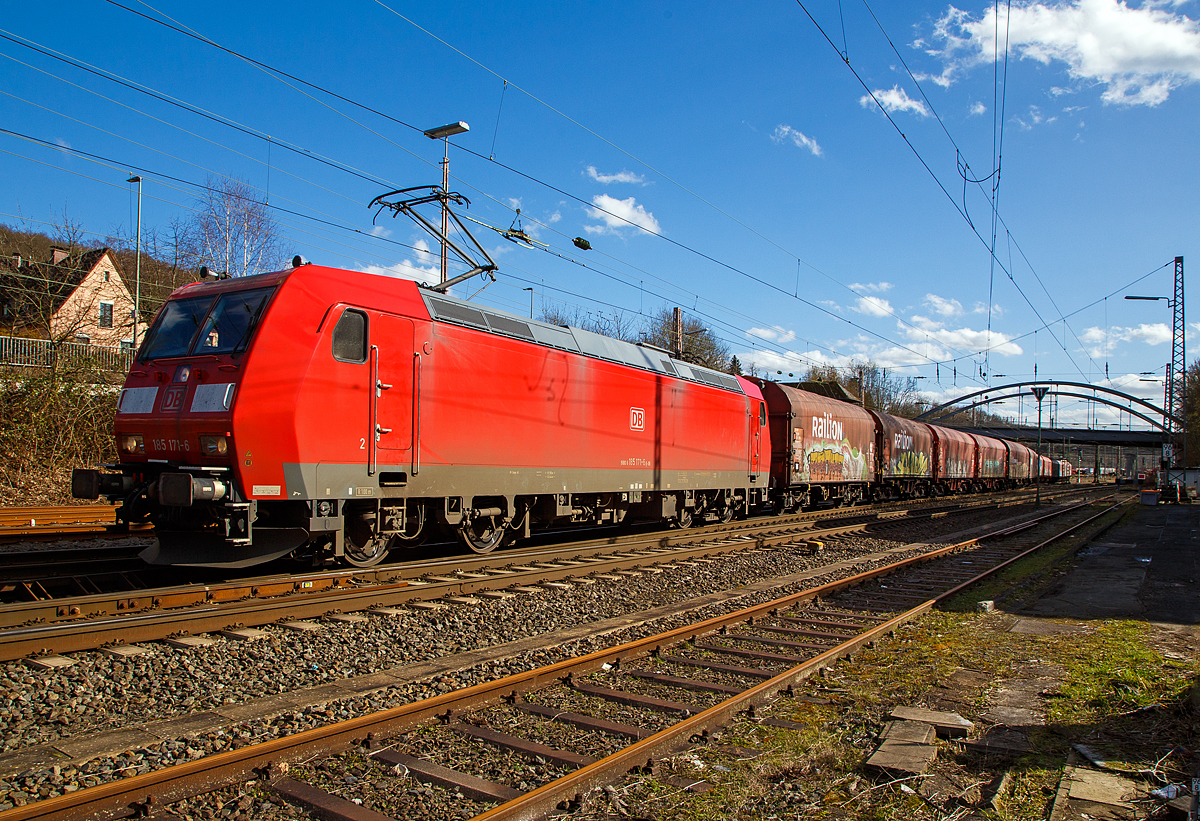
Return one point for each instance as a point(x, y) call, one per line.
point(416, 415)
point(372, 455)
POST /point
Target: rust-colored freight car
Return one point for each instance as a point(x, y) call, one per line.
point(821, 449)
point(992, 460)
point(904, 453)
point(1021, 462)
point(955, 459)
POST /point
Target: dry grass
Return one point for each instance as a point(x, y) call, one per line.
point(759, 772)
point(49, 425)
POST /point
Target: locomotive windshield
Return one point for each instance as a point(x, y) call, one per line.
point(197, 326)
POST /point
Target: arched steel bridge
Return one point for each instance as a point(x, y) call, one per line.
point(1014, 390)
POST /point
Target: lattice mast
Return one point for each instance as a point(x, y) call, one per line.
point(1175, 400)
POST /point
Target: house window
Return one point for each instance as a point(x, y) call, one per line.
point(106, 314)
point(107, 274)
point(83, 339)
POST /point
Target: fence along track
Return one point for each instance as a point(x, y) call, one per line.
point(21, 352)
point(138, 793)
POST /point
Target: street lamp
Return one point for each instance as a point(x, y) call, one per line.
point(444, 133)
point(137, 287)
point(1039, 392)
point(530, 290)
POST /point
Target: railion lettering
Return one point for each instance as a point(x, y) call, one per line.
point(826, 427)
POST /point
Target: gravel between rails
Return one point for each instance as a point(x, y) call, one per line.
point(101, 692)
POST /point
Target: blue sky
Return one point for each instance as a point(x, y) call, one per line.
point(721, 157)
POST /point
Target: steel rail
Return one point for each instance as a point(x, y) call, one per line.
point(55, 522)
point(89, 622)
point(542, 801)
point(48, 522)
point(50, 610)
point(137, 794)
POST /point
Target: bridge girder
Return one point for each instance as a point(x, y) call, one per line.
point(938, 409)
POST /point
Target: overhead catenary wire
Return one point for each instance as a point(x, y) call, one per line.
point(964, 166)
point(534, 179)
point(937, 180)
point(120, 166)
point(273, 70)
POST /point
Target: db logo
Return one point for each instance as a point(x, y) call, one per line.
point(173, 398)
point(637, 419)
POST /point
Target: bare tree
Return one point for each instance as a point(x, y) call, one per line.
point(233, 230)
point(168, 261)
point(700, 344)
point(617, 325)
point(892, 394)
point(38, 274)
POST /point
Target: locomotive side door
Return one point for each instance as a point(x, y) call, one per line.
point(758, 421)
point(394, 367)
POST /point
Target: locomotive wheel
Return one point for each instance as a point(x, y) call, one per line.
point(483, 535)
point(683, 520)
point(366, 555)
point(363, 548)
point(727, 515)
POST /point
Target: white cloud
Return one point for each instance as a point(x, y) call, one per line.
point(1104, 342)
point(426, 268)
point(773, 334)
point(978, 109)
point(380, 231)
point(894, 99)
point(873, 306)
point(786, 132)
point(1139, 55)
point(1034, 117)
point(424, 255)
point(925, 329)
point(620, 176)
point(871, 287)
point(943, 307)
point(617, 214)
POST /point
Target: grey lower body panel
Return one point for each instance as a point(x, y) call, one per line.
point(342, 481)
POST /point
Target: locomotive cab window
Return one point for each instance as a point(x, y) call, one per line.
point(350, 337)
point(231, 322)
point(176, 327)
point(762, 414)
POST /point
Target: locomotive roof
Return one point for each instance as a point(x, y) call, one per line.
point(460, 312)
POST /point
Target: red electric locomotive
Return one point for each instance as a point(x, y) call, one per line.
point(329, 413)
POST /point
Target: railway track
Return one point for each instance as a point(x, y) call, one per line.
point(44, 624)
point(56, 522)
point(646, 698)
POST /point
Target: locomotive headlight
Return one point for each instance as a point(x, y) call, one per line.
point(132, 443)
point(214, 445)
